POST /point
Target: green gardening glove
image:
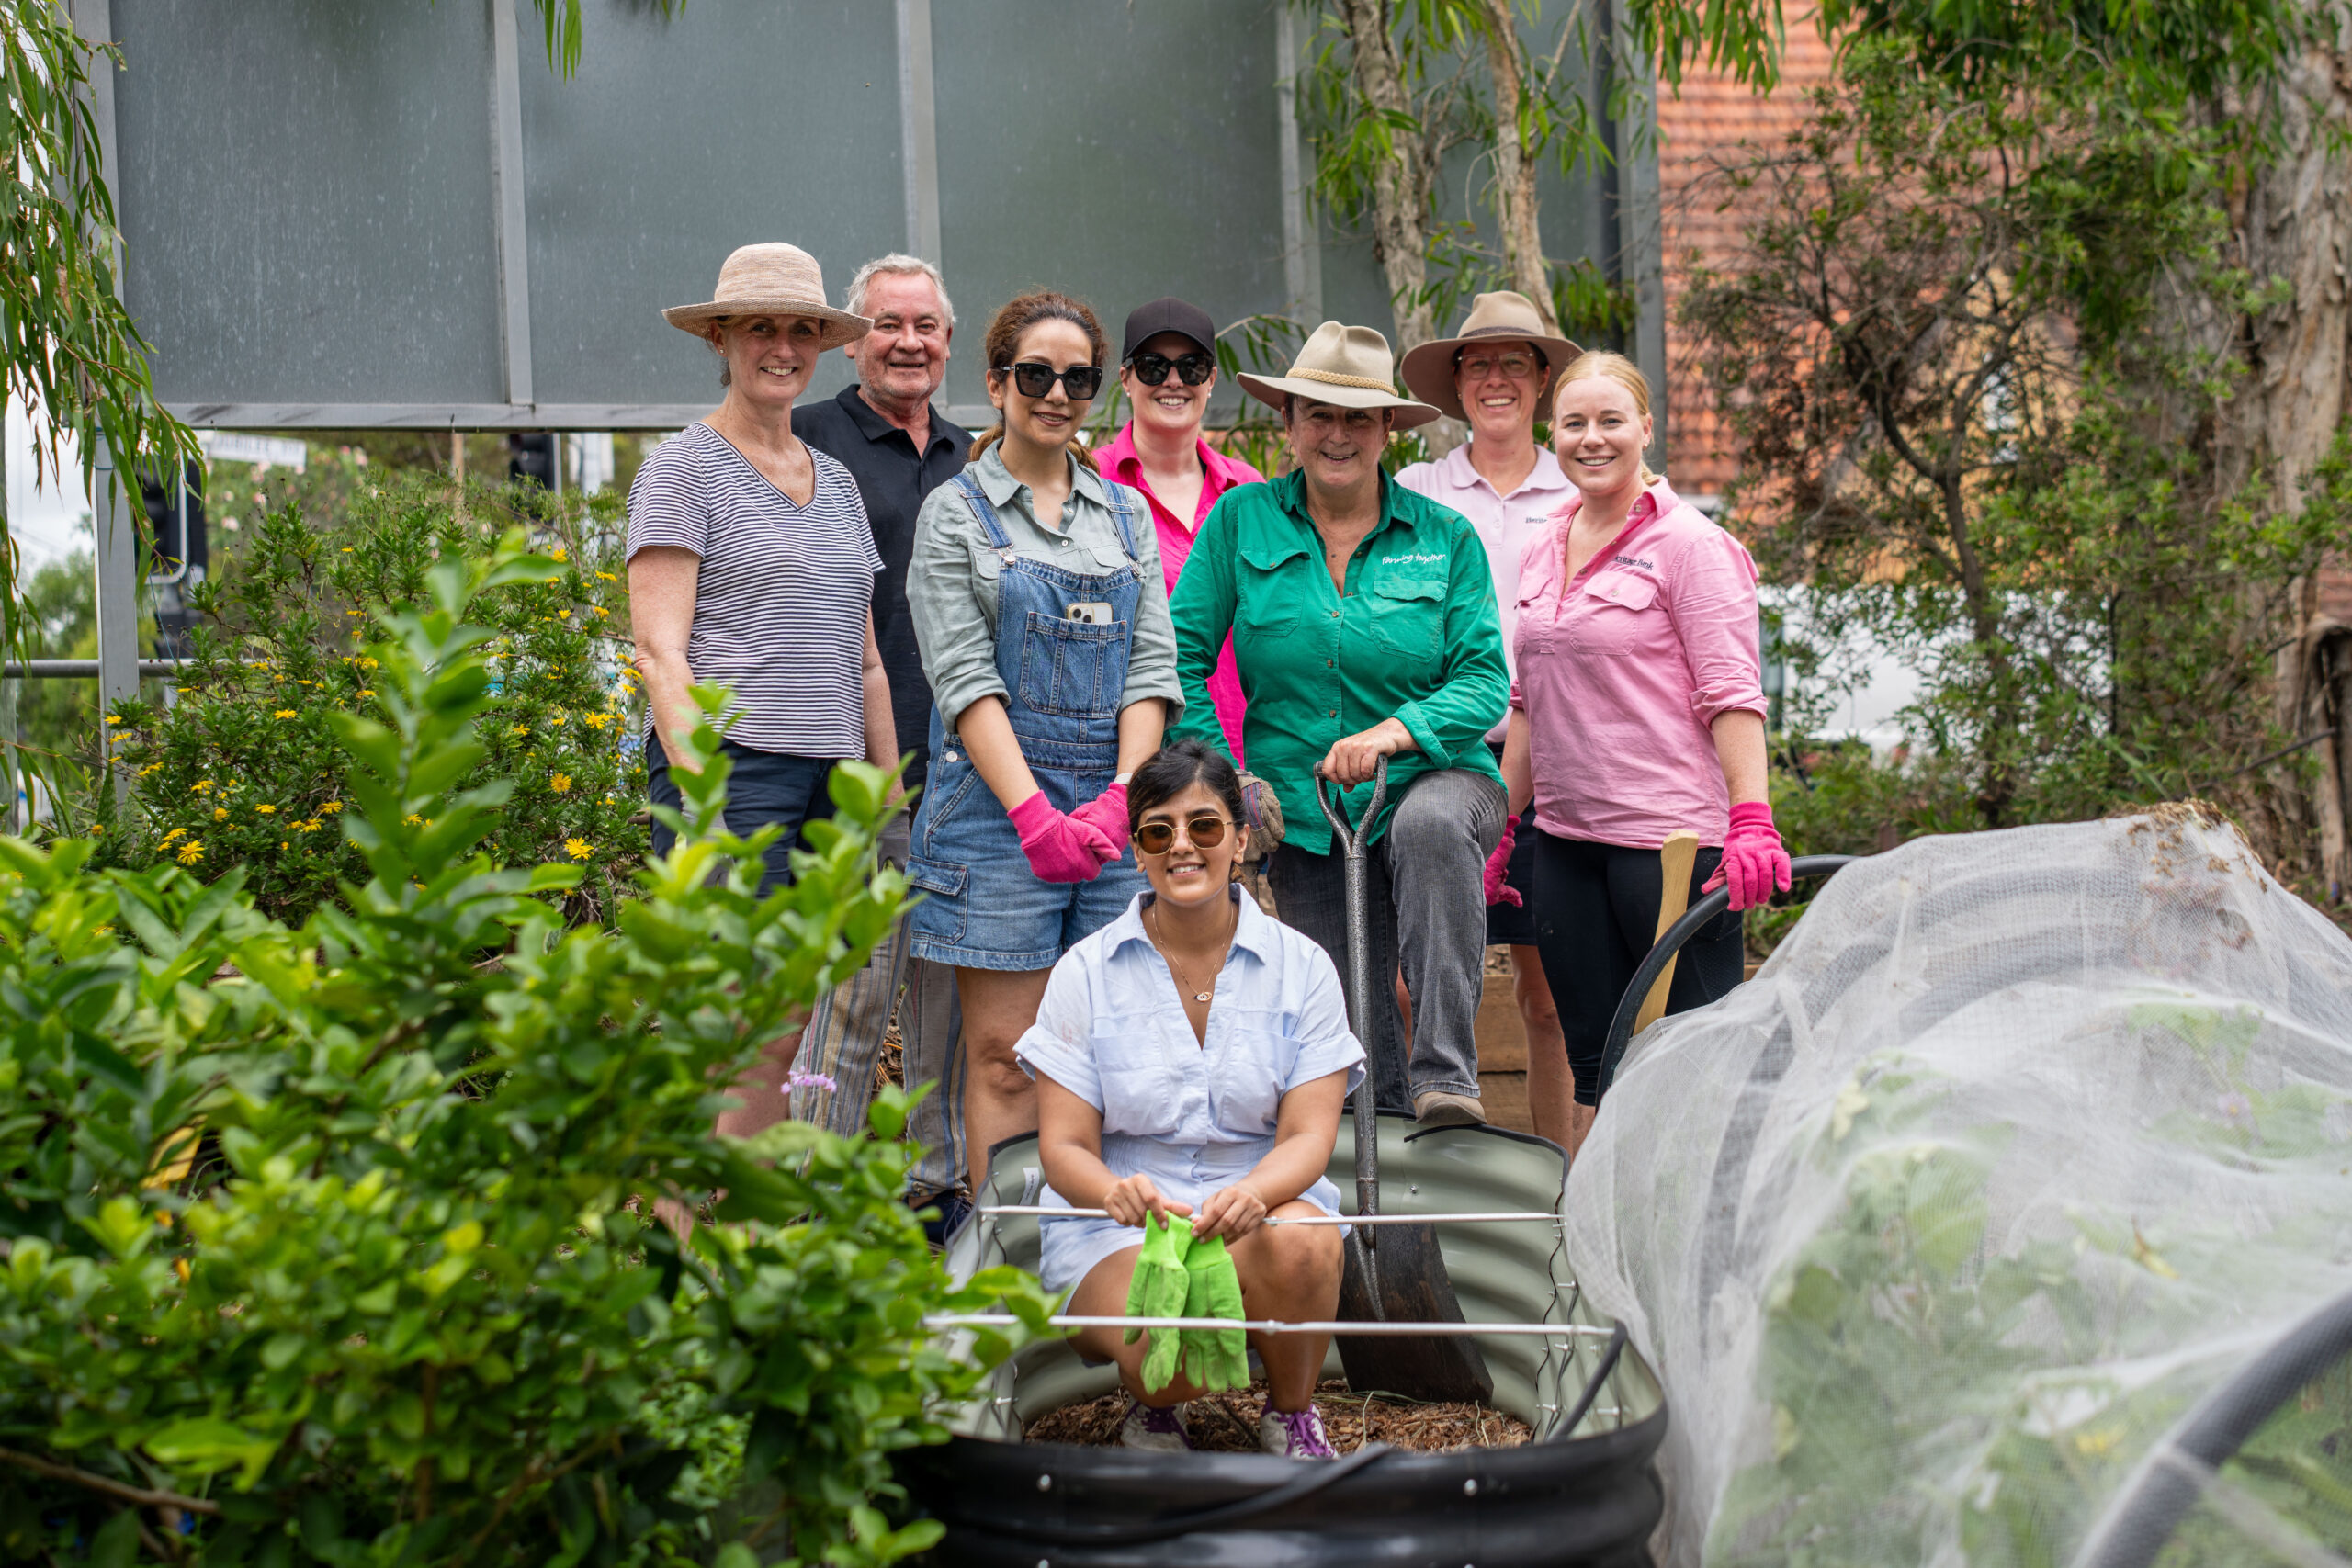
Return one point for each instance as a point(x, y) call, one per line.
point(1157, 1290)
point(1214, 1358)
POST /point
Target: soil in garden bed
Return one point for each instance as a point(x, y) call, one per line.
point(1227, 1423)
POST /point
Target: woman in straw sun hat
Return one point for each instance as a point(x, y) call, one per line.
point(1363, 618)
point(1493, 375)
point(751, 566)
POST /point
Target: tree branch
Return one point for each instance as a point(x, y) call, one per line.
point(105, 1484)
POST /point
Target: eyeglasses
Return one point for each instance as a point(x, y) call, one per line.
point(1518, 367)
point(1152, 369)
point(1035, 380)
point(1206, 831)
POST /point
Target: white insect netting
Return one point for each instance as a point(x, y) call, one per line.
point(2019, 1144)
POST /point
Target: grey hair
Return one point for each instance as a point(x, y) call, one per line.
point(897, 262)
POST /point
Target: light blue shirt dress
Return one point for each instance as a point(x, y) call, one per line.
point(1193, 1116)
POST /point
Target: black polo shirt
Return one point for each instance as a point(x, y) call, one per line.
point(893, 478)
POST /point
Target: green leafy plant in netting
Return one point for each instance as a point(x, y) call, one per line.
point(334, 1245)
point(1933, 1387)
point(244, 771)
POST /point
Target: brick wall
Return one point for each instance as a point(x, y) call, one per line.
point(1707, 120)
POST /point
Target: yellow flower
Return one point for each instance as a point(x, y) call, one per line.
point(346, 549)
point(281, 844)
point(561, 783)
point(602, 612)
point(595, 721)
point(200, 785)
point(174, 834)
point(330, 806)
point(563, 615)
point(578, 849)
point(351, 612)
point(558, 554)
point(151, 768)
point(265, 808)
point(191, 851)
point(520, 730)
point(311, 827)
point(285, 713)
point(112, 719)
point(220, 814)
point(413, 820)
point(368, 693)
point(608, 577)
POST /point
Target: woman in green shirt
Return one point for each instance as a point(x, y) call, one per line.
point(1364, 626)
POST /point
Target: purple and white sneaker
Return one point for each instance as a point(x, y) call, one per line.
point(1148, 1428)
point(1295, 1434)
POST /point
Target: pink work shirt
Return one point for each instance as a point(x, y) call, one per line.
point(1505, 524)
point(1219, 473)
point(1623, 670)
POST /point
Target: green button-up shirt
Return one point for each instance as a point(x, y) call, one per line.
point(1415, 637)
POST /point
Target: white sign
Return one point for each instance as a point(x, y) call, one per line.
point(266, 451)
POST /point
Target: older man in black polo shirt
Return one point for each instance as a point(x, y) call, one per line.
point(899, 449)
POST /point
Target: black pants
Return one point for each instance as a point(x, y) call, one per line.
point(1596, 916)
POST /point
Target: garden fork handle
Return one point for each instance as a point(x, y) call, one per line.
point(1359, 910)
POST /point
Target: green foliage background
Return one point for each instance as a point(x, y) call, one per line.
point(244, 769)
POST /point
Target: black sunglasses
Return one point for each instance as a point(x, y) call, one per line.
point(1206, 831)
point(1035, 380)
point(1152, 369)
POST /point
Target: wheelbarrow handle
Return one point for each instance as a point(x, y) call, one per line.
point(1628, 1006)
point(1351, 840)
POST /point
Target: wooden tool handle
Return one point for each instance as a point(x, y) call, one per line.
point(1675, 857)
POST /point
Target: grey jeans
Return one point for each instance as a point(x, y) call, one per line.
point(1427, 902)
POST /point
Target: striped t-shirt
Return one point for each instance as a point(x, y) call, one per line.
point(780, 608)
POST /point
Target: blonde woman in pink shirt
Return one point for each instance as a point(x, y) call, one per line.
point(1638, 710)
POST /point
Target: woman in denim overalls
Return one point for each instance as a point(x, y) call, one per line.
point(1037, 599)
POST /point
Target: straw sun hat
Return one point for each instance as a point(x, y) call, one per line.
point(1347, 368)
point(770, 280)
point(1506, 315)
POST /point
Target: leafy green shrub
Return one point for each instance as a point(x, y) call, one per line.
point(329, 1246)
point(243, 771)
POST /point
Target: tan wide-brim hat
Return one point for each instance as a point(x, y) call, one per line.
point(770, 280)
point(1347, 368)
point(1506, 315)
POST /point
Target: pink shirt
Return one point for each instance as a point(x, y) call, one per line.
point(1120, 461)
point(1505, 524)
point(1622, 671)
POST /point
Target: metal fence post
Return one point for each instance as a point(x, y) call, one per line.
point(114, 523)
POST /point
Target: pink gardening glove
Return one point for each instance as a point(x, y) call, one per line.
point(1754, 864)
point(1107, 815)
point(1498, 866)
point(1060, 848)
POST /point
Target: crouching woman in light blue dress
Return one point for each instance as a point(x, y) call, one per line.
point(1191, 1058)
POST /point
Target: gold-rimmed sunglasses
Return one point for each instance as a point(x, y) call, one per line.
point(1207, 830)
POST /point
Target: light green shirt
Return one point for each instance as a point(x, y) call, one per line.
point(952, 583)
point(1415, 637)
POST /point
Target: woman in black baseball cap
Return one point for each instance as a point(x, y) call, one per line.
point(1168, 368)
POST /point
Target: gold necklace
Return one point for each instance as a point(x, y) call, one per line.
point(1169, 958)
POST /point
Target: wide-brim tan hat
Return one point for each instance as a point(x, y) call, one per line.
point(1349, 367)
point(770, 280)
point(1504, 314)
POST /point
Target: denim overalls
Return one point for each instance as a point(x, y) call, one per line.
point(1066, 680)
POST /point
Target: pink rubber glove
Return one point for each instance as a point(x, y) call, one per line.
point(1499, 891)
point(1754, 864)
point(1060, 848)
point(1107, 815)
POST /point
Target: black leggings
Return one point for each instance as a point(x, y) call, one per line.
point(1596, 916)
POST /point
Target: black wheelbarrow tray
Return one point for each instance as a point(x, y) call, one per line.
point(1585, 1491)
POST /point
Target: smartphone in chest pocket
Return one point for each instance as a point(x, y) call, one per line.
point(1093, 612)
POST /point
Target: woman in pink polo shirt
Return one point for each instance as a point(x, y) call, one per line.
point(1638, 711)
point(1168, 368)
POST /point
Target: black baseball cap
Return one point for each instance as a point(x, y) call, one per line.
point(1169, 315)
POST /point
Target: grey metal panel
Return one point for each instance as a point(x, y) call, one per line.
point(1118, 152)
point(305, 194)
point(732, 121)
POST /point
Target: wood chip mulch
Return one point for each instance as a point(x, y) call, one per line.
point(1227, 1423)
